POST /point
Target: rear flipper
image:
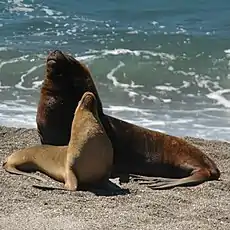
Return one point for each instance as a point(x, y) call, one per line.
point(147, 179)
point(197, 177)
point(13, 170)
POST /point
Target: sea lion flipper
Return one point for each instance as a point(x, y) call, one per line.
point(144, 178)
point(150, 180)
point(167, 183)
point(13, 170)
point(71, 182)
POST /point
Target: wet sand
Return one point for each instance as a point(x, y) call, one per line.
point(206, 206)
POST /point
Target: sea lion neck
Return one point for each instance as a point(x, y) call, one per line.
point(49, 85)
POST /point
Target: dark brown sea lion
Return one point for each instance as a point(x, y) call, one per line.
point(137, 150)
point(66, 80)
point(86, 160)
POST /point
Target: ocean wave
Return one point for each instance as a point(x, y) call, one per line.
point(13, 60)
point(129, 109)
point(115, 82)
point(19, 6)
point(4, 48)
point(17, 114)
point(218, 96)
point(119, 51)
point(19, 85)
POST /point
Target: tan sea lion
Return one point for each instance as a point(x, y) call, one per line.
point(137, 150)
point(86, 160)
point(90, 152)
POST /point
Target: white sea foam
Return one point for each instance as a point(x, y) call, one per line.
point(21, 9)
point(125, 108)
point(17, 114)
point(132, 95)
point(3, 48)
point(19, 6)
point(89, 58)
point(48, 11)
point(115, 82)
point(17, 106)
point(4, 86)
point(166, 88)
point(37, 84)
point(167, 100)
point(163, 56)
point(150, 97)
point(14, 60)
point(219, 97)
point(18, 121)
point(190, 73)
point(227, 53)
point(133, 32)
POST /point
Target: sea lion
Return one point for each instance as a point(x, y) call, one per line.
point(66, 80)
point(90, 152)
point(137, 150)
point(156, 154)
point(86, 160)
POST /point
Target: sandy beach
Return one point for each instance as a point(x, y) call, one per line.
point(206, 206)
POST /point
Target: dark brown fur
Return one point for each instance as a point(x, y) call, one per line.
point(66, 80)
point(145, 152)
point(136, 150)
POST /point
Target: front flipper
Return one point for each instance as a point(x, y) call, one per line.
point(71, 182)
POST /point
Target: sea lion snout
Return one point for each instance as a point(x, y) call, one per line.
point(55, 55)
point(58, 63)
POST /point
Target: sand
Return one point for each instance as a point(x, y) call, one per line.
point(206, 206)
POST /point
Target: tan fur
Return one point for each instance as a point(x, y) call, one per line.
point(88, 141)
point(48, 159)
point(87, 159)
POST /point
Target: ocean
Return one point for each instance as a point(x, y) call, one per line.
point(163, 65)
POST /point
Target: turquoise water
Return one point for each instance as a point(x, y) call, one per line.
point(159, 64)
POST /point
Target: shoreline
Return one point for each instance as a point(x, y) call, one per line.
point(33, 127)
point(205, 206)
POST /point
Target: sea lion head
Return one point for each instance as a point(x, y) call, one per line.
point(70, 76)
point(88, 102)
point(62, 67)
